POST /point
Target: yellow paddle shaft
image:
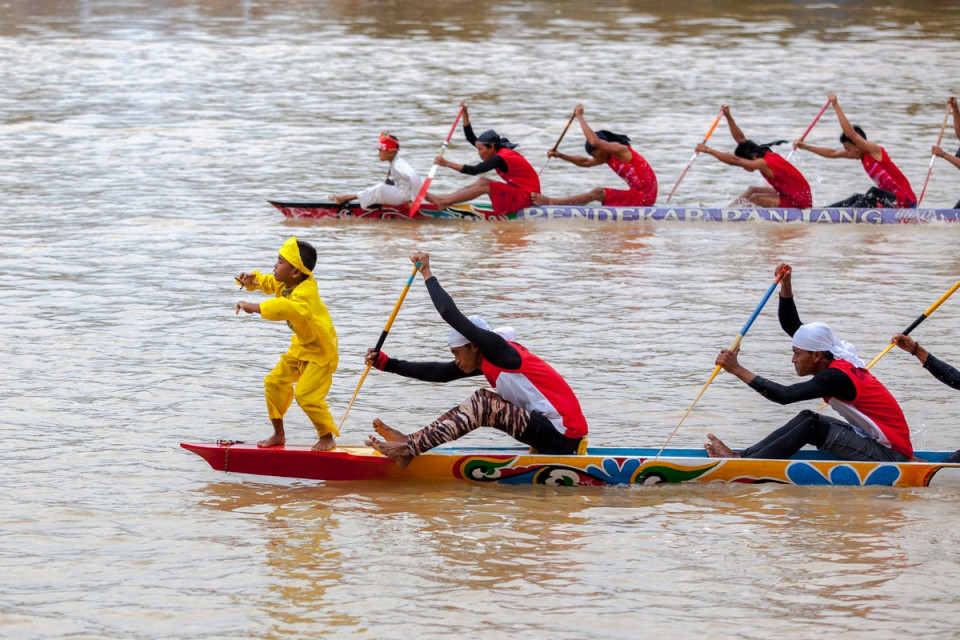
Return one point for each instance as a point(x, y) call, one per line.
point(733, 347)
point(383, 337)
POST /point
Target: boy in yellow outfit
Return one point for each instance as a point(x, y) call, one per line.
point(305, 371)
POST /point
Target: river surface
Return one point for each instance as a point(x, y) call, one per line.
point(141, 142)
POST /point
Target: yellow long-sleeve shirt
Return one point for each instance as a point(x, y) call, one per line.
point(314, 338)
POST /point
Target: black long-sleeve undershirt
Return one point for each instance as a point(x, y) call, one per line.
point(494, 348)
point(829, 383)
point(942, 371)
point(496, 162)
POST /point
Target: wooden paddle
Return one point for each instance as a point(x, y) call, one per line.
point(804, 136)
point(694, 157)
point(383, 337)
point(933, 157)
point(559, 140)
point(733, 347)
point(415, 206)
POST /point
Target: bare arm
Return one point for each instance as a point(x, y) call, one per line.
point(728, 360)
point(619, 151)
point(862, 143)
point(735, 130)
point(755, 164)
point(580, 161)
point(954, 160)
point(825, 152)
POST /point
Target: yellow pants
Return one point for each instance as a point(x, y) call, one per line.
point(309, 382)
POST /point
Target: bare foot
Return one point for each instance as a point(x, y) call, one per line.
point(326, 443)
point(540, 200)
point(275, 440)
point(389, 433)
point(717, 449)
point(429, 197)
point(399, 452)
point(340, 199)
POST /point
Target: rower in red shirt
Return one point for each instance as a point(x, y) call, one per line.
point(496, 153)
point(613, 150)
point(788, 187)
point(872, 427)
point(892, 190)
point(527, 399)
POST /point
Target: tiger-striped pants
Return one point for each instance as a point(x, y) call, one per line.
point(483, 409)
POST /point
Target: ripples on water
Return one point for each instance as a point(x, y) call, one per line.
point(141, 141)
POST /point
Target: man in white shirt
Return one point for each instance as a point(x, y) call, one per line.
point(400, 186)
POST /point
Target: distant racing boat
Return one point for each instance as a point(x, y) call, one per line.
point(331, 210)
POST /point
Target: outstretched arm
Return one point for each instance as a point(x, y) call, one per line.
point(755, 164)
point(617, 150)
point(825, 152)
point(426, 371)
point(735, 131)
point(580, 161)
point(829, 383)
point(495, 349)
point(787, 310)
point(862, 143)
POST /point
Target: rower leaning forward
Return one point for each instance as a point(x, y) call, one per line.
point(613, 150)
point(529, 400)
point(520, 179)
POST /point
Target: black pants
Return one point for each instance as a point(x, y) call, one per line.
point(825, 433)
point(872, 199)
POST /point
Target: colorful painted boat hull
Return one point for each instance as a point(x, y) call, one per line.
point(329, 210)
point(600, 466)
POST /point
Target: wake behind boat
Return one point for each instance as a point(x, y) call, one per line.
point(331, 210)
point(599, 466)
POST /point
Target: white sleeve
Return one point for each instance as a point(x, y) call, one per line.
point(407, 178)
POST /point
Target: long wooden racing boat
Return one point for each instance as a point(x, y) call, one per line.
point(331, 210)
point(599, 466)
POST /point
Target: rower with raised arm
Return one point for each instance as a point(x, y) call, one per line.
point(787, 186)
point(892, 187)
point(520, 180)
point(613, 150)
point(874, 427)
point(529, 400)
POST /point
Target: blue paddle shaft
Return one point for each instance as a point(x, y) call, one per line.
point(759, 308)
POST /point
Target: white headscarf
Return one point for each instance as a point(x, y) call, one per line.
point(457, 339)
point(817, 336)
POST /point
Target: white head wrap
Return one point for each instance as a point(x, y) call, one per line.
point(817, 336)
point(457, 339)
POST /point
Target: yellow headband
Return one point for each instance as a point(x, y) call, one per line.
point(291, 253)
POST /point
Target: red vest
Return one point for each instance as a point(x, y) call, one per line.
point(788, 182)
point(638, 174)
point(535, 386)
point(876, 411)
point(520, 174)
point(887, 176)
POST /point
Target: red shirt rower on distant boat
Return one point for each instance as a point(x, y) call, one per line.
point(520, 180)
point(613, 150)
point(788, 187)
point(892, 190)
